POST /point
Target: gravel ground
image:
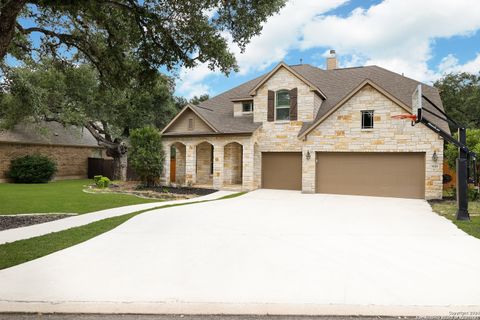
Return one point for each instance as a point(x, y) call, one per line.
point(182, 190)
point(17, 221)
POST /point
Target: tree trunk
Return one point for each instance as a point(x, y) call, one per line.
point(120, 167)
point(8, 19)
point(120, 160)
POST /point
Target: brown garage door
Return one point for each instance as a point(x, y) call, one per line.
point(386, 174)
point(282, 170)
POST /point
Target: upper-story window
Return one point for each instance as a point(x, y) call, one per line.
point(247, 106)
point(367, 119)
point(282, 105)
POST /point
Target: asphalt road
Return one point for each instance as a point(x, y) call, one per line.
point(177, 317)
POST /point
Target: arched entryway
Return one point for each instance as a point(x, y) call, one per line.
point(204, 165)
point(233, 164)
point(178, 155)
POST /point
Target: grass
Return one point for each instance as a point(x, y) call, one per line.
point(448, 209)
point(21, 251)
point(59, 197)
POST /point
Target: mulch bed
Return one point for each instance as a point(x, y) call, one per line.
point(17, 221)
point(181, 190)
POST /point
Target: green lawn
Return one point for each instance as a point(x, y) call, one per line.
point(59, 196)
point(25, 250)
point(448, 209)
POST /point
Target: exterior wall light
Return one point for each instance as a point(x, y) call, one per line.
point(308, 156)
point(434, 156)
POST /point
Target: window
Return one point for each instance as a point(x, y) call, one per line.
point(191, 124)
point(367, 119)
point(247, 106)
point(282, 105)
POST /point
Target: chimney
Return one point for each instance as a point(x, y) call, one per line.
point(332, 60)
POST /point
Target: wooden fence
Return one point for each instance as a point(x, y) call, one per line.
point(104, 167)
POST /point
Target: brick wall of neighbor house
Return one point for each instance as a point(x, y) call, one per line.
point(71, 161)
point(284, 79)
point(219, 143)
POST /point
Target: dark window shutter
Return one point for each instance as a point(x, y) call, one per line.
point(271, 106)
point(293, 104)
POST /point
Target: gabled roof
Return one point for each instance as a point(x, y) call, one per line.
point(192, 108)
point(298, 75)
point(335, 84)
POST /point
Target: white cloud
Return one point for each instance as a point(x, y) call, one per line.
point(451, 64)
point(396, 34)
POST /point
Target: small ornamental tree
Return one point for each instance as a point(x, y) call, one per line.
point(146, 154)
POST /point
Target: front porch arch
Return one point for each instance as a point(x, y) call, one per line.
point(233, 164)
point(204, 163)
point(178, 155)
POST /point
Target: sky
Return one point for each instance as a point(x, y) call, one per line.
point(423, 39)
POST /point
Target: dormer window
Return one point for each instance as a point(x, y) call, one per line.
point(247, 106)
point(282, 105)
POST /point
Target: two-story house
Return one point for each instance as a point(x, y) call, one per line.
point(299, 127)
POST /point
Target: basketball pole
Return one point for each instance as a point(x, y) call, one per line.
point(462, 177)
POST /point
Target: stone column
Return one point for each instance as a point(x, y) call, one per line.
point(248, 168)
point(191, 164)
point(165, 178)
point(218, 158)
point(308, 171)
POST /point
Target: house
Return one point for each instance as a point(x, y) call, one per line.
point(70, 147)
point(299, 127)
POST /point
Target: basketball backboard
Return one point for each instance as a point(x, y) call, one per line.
point(417, 103)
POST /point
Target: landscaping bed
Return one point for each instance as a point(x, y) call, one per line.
point(18, 221)
point(160, 192)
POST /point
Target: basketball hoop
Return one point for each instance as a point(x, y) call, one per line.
point(412, 117)
point(406, 116)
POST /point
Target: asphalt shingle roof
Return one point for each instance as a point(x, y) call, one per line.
point(335, 84)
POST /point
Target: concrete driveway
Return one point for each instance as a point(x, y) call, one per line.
point(269, 251)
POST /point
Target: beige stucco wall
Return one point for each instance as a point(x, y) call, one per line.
point(181, 124)
point(72, 162)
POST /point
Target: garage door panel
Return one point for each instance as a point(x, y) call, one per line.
point(375, 174)
point(282, 170)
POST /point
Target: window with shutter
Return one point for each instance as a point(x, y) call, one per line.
point(282, 105)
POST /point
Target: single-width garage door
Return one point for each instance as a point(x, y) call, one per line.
point(388, 174)
point(282, 170)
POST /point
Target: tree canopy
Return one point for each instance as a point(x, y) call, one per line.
point(154, 33)
point(460, 93)
point(74, 95)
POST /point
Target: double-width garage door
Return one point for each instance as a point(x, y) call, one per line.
point(387, 174)
point(282, 170)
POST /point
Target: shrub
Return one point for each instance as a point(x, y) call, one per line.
point(32, 169)
point(101, 181)
point(146, 155)
point(472, 193)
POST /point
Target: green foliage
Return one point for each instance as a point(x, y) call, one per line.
point(147, 155)
point(97, 178)
point(32, 169)
point(156, 33)
point(473, 143)
point(460, 93)
point(102, 182)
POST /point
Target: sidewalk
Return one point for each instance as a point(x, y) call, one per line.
point(36, 230)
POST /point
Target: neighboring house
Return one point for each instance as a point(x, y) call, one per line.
point(69, 147)
point(303, 128)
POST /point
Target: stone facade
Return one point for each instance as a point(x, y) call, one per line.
point(340, 132)
point(71, 161)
